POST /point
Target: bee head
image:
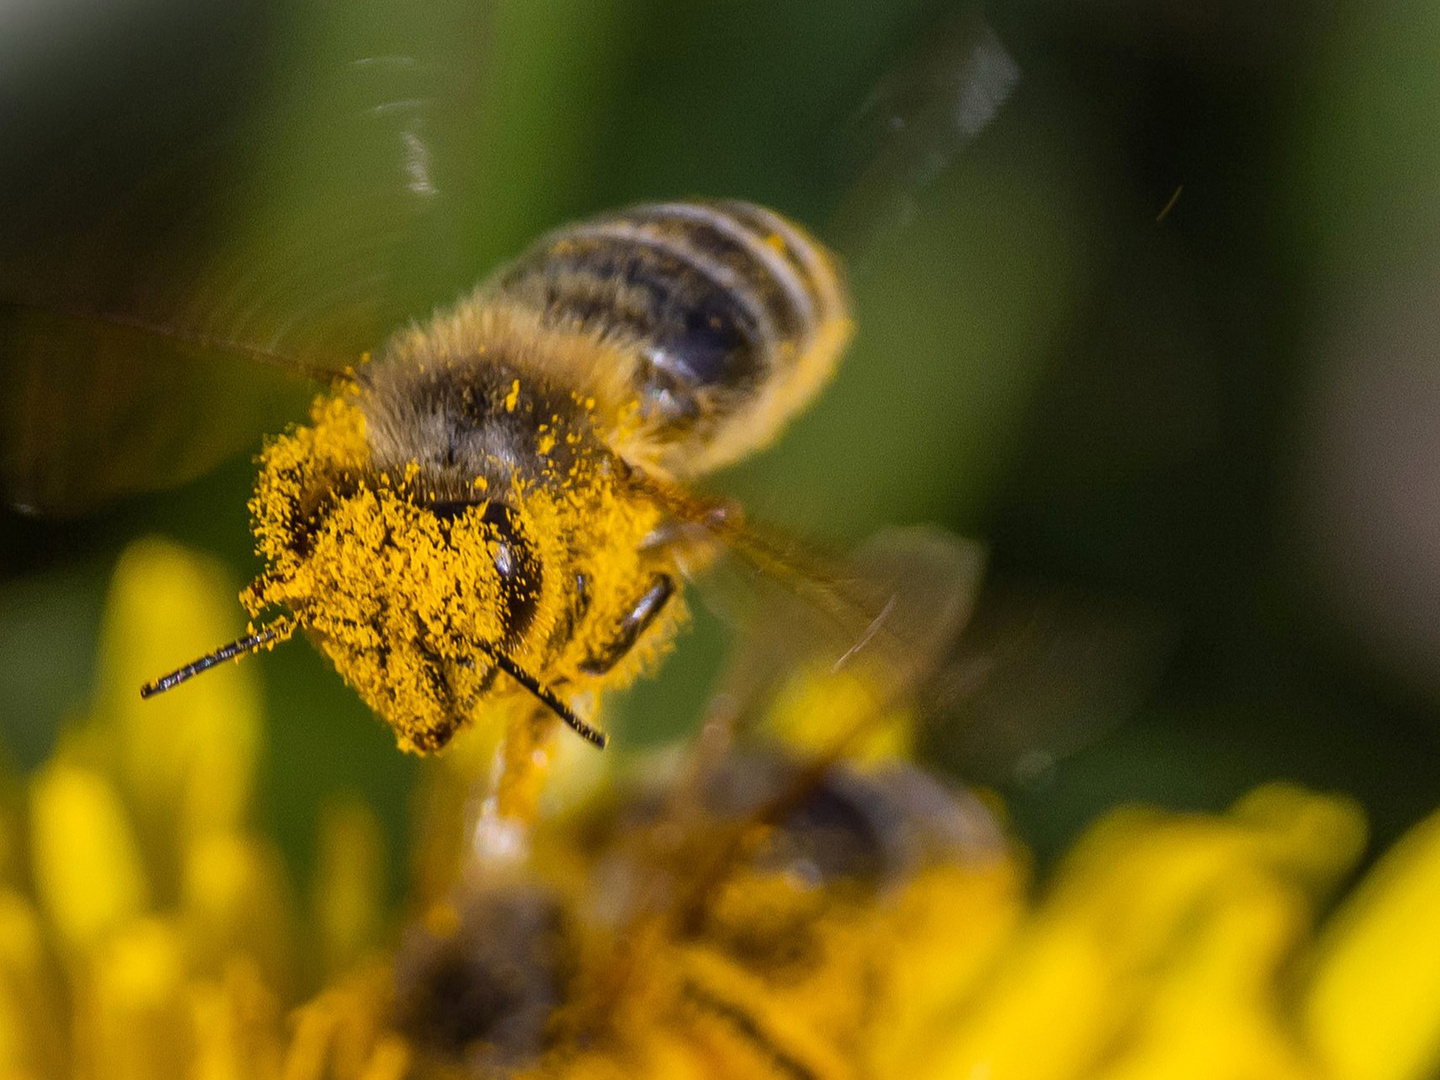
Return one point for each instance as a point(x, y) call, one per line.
point(433, 596)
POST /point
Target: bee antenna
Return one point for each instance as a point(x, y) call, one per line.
point(272, 634)
point(546, 696)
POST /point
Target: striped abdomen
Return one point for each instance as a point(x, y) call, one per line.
point(736, 316)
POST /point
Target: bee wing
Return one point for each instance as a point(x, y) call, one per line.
point(91, 410)
point(896, 651)
point(874, 625)
point(833, 651)
point(1040, 672)
point(914, 124)
point(179, 218)
point(877, 622)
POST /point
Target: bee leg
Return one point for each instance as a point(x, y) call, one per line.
point(647, 608)
point(702, 521)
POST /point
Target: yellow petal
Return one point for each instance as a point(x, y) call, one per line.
point(1316, 838)
point(30, 1009)
point(1139, 874)
point(188, 755)
point(338, 1034)
point(134, 1024)
point(390, 1060)
point(1372, 1011)
point(938, 954)
point(235, 902)
point(1048, 1014)
point(349, 883)
point(87, 864)
point(238, 1027)
point(1213, 1012)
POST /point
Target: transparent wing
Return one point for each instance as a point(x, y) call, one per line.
point(171, 218)
point(847, 641)
point(91, 410)
point(860, 632)
point(1040, 672)
point(896, 650)
point(828, 658)
point(915, 123)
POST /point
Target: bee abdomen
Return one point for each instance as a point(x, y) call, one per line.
point(736, 315)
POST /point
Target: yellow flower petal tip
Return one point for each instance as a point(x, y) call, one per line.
point(349, 883)
point(1372, 1011)
point(187, 757)
point(87, 863)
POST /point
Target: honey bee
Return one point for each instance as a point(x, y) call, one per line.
point(492, 514)
point(492, 507)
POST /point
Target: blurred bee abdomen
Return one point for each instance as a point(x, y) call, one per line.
point(737, 316)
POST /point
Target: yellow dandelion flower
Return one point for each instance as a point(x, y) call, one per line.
point(87, 862)
point(154, 932)
point(860, 921)
point(822, 944)
point(1372, 1009)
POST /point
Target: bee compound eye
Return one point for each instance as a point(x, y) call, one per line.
point(518, 567)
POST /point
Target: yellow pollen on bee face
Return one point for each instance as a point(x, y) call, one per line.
point(513, 397)
point(406, 605)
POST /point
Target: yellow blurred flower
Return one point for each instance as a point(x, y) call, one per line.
point(885, 927)
point(864, 922)
point(153, 932)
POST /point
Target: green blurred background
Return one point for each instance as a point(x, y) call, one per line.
point(1203, 445)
